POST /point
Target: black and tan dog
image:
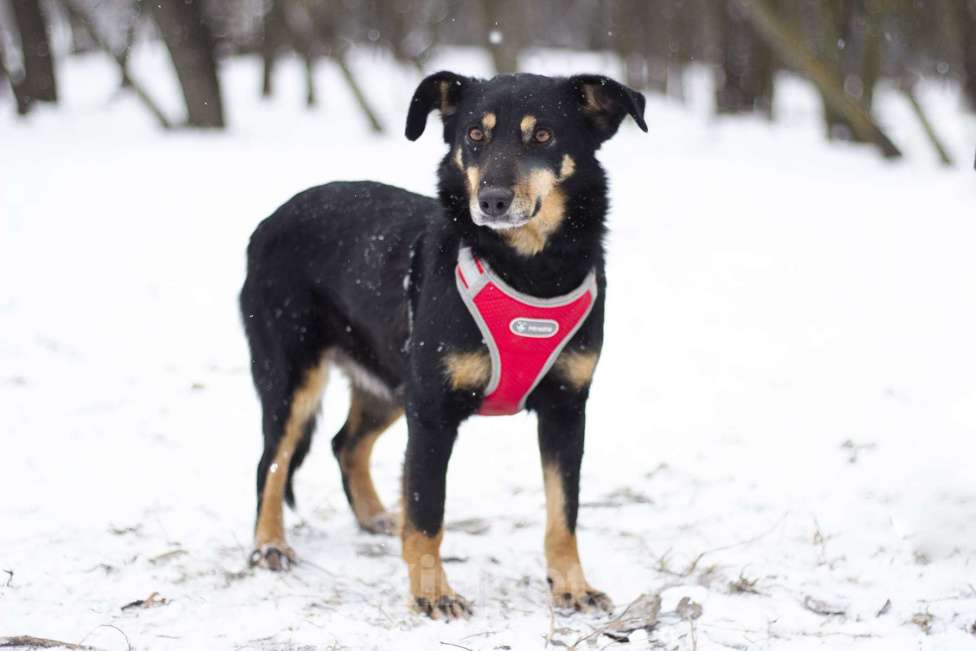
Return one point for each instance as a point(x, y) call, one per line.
point(362, 276)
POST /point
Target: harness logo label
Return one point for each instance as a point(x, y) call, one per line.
point(537, 328)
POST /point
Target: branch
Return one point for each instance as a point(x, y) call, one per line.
point(119, 59)
point(908, 91)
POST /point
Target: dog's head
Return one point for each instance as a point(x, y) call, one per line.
point(517, 139)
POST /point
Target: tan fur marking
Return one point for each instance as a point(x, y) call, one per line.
point(446, 107)
point(531, 238)
point(594, 107)
point(562, 555)
point(535, 186)
point(567, 168)
point(488, 121)
point(590, 101)
point(474, 179)
point(469, 371)
point(270, 528)
point(527, 125)
point(473, 176)
point(366, 504)
point(422, 554)
point(576, 367)
point(458, 161)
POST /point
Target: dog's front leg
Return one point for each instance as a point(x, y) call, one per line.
point(429, 443)
point(562, 422)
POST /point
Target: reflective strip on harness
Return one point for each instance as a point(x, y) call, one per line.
point(524, 334)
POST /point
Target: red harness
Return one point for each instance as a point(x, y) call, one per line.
point(524, 334)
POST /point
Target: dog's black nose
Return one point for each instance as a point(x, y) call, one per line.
point(494, 202)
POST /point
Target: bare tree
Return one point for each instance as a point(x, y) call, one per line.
point(38, 83)
point(504, 32)
point(745, 81)
point(191, 47)
point(967, 41)
point(83, 23)
point(791, 46)
point(327, 29)
point(272, 35)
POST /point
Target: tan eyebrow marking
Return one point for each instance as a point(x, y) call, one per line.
point(528, 127)
point(488, 121)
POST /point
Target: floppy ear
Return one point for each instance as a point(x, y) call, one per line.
point(442, 91)
point(606, 102)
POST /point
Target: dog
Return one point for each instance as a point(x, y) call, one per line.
point(489, 299)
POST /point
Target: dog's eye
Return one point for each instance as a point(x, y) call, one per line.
point(475, 134)
point(542, 136)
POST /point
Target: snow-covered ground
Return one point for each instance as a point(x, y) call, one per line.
point(783, 421)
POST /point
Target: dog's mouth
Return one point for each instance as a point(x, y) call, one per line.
point(509, 220)
point(499, 223)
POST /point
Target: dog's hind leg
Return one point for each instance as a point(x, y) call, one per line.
point(369, 416)
point(289, 421)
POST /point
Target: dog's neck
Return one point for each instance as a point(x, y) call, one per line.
point(568, 255)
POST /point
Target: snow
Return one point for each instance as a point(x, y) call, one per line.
point(786, 396)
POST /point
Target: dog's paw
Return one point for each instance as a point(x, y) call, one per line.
point(274, 557)
point(582, 601)
point(383, 524)
point(448, 606)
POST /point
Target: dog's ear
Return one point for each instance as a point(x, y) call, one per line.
point(441, 91)
point(605, 103)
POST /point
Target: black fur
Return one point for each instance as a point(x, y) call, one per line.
point(367, 271)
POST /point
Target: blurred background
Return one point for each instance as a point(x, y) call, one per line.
point(844, 47)
point(783, 421)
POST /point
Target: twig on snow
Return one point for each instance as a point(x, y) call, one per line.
point(690, 611)
point(31, 642)
point(552, 623)
point(153, 600)
point(662, 563)
point(884, 609)
point(128, 645)
point(458, 646)
point(640, 614)
point(822, 607)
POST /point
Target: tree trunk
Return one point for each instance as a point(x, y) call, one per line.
point(299, 22)
point(967, 32)
point(273, 35)
point(22, 102)
point(833, 36)
point(790, 45)
point(872, 54)
point(38, 84)
point(504, 22)
point(746, 82)
point(628, 20)
point(191, 47)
